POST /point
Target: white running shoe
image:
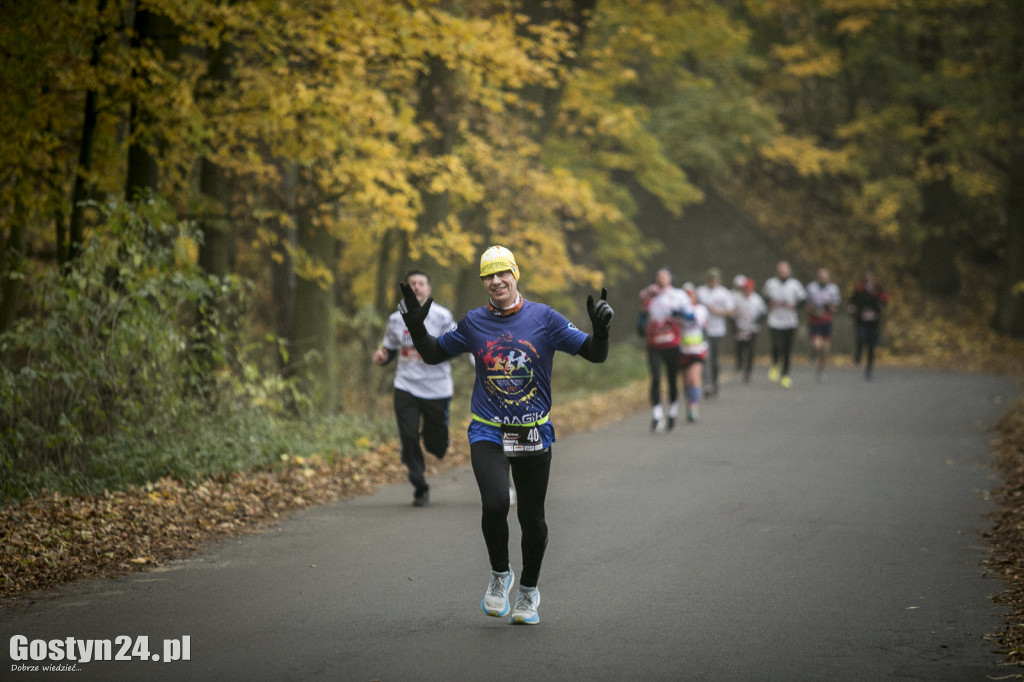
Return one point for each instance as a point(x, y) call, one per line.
point(525, 612)
point(495, 601)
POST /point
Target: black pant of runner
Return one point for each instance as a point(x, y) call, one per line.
point(669, 358)
point(867, 339)
point(782, 347)
point(714, 353)
point(530, 474)
point(745, 355)
point(410, 413)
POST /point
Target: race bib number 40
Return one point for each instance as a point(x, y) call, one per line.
point(516, 438)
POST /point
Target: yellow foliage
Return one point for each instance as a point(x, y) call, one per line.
point(186, 250)
point(975, 183)
point(857, 6)
point(310, 267)
point(319, 118)
point(804, 60)
point(854, 25)
point(806, 156)
point(449, 245)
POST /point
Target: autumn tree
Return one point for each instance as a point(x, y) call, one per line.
point(36, 149)
point(901, 125)
point(656, 104)
point(991, 116)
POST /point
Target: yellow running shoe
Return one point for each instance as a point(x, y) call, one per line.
point(773, 373)
point(786, 382)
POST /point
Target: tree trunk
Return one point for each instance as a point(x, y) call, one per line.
point(1009, 318)
point(282, 271)
point(217, 250)
point(69, 248)
point(1010, 313)
point(13, 267)
point(434, 112)
point(936, 268)
point(143, 170)
point(314, 342)
point(385, 289)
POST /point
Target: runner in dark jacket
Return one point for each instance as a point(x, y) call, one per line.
point(866, 305)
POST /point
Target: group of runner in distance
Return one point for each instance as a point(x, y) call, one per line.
point(685, 327)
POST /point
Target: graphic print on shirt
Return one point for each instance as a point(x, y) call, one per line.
point(408, 350)
point(508, 369)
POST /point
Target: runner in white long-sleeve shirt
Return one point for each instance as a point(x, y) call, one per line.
point(823, 299)
point(784, 294)
point(750, 308)
point(720, 304)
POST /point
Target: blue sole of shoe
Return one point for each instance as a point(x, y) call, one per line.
point(496, 614)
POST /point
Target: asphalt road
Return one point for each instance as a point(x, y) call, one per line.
point(826, 532)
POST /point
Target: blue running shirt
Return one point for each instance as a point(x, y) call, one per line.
point(513, 357)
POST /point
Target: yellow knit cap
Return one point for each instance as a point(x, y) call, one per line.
point(498, 259)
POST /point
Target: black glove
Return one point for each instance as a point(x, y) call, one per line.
point(600, 313)
point(412, 312)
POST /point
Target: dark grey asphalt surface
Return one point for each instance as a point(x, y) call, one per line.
point(826, 532)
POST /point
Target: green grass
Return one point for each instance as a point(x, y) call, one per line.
point(574, 378)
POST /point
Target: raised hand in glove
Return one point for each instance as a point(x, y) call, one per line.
point(412, 312)
point(600, 313)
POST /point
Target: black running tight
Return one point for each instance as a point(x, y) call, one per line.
point(745, 354)
point(669, 358)
point(530, 474)
point(782, 347)
point(867, 339)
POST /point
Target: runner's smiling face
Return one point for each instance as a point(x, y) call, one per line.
point(501, 287)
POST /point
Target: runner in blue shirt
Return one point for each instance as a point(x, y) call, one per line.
point(513, 342)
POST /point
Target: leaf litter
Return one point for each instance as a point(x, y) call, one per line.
point(54, 539)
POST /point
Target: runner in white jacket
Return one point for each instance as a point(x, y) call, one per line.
point(823, 299)
point(750, 308)
point(721, 305)
point(784, 294)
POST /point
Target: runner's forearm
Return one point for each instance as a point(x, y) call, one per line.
point(595, 348)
